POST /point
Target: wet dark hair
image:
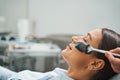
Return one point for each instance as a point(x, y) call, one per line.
point(110, 40)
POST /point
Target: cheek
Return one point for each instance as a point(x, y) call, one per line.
point(78, 61)
point(74, 58)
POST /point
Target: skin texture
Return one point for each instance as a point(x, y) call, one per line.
point(81, 64)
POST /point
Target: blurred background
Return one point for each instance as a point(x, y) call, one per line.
point(33, 32)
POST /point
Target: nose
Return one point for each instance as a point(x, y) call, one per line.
point(76, 39)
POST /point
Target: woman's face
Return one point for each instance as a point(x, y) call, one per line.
point(78, 59)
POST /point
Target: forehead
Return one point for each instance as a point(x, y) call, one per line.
point(96, 32)
point(96, 36)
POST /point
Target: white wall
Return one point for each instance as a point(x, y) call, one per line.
point(12, 10)
point(74, 16)
point(62, 16)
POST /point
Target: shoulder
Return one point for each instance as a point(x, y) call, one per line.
point(26, 75)
point(60, 74)
point(60, 70)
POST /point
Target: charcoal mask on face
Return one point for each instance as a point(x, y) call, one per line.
point(86, 48)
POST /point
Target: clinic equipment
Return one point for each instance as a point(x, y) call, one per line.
point(88, 49)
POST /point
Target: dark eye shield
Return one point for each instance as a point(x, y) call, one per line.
point(82, 47)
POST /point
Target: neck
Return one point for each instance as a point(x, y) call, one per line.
point(78, 74)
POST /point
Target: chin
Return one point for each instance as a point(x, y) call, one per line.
point(64, 51)
point(65, 55)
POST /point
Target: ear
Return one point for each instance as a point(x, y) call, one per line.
point(96, 64)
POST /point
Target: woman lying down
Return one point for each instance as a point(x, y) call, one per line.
point(94, 66)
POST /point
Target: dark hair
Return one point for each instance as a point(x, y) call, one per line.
point(110, 40)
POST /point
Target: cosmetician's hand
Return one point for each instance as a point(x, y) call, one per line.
point(115, 62)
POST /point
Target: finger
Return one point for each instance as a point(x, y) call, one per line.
point(112, 59)
point(109, 56)
point(116, 69)
point(116, 50)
